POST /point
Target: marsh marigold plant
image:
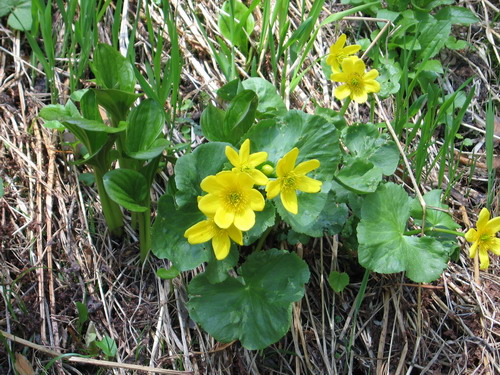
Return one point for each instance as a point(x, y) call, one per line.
point(356, 82)
point(292, 178)
point(484, 238)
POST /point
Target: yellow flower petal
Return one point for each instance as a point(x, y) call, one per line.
point(273, 189)
point(257, 201)
point(472, 235)
point(245, 150)
point(484, 259)
point(306, 166)
point(372, 86)
point(244, 220)
point(350, 50)
point(287, 163)
point(232, 156)
point(257, 159)
point(372, 74)
point(209, 184)
point(235, 234)
point(200, 232)
point(495, 245)
point(359, 97)
point(208, 204)
point(221, 245)
point(342, 92)
point(473, 249)
point(258, 177)
point(224, 218)
point(493, 226)
point(308, 185)
point(289, 200)
point(483, 218)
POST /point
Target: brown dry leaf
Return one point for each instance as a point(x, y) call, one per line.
point(23, 366)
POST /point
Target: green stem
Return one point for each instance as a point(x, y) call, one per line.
point(144, 219)
point(344, 106)
point(359, 299)
point(372, 110)
point(434, 229)
point(258, 247)
point(110, 209)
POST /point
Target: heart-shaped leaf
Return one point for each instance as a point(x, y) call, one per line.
point(128, 188)
point(270, 103)
point(255, 307)
point(168, 239)
point(207, 159)
point(338, 280)
point(384, 248)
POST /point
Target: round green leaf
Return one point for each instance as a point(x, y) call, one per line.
point(207, 159)
point(255, 307)
point(360, 176)
point(270, 101)
point(168, 239)
point(384, 248)
point(314, 136)
point(128, 188)
point(20, 17)
point(169, 274)
point(338, 280)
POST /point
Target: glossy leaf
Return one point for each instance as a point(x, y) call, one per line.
point(216, 270)
point(263, 220)
point(306, 132)
point(240, 116)
point(145, 125)
point(433, 217)
point(254, 308)
point(116, 102)
point(270, 101)
point(207, 159)
point(95, 126)
point(384, 248)
point(112, 70)
point(168, 241)
point(212, 120)
point(128, 188)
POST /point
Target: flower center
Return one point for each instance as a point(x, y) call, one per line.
point(235, 198)
point(289, 182)
point(484, 238)
point(356, 81)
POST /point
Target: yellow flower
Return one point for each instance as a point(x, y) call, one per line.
point(232, 199)
point(246, 162)
point(292, 178)
point(484, 237)
point(338, 53)
point(357, 83)
point(207, 230)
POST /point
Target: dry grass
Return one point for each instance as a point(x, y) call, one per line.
point(55, 250)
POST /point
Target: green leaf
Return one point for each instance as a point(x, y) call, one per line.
point(2, 191)
point(360, 176)
point(116, 102)
point(145, 125)
point(243, 20)
point(457, 15)
point(319, 213)
point(95, 126)
point(169, 274)
point(20, 17)
point(331, 116)
point(433, 217)
point(212, 120)
point(384, 248)
point(216, 270)
point(108, 346)
point(240, 116)
point(83, 315)
point(168, 239)
point(453, 43)
point(112, 70)
point(338, 280)
point(270, 103)
point(314, 136)
point(434, 34)
point(433, 66)
point(255, 307)
point(230, 90)
point(128, 188)
point(207, 159)
point(263, 220)
point(88, 179)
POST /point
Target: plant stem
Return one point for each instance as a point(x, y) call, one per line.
point(359, 299)
point(345, 105)
point(262, 239)
point(434, 229)
point(110, 209)
point(144, 219)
